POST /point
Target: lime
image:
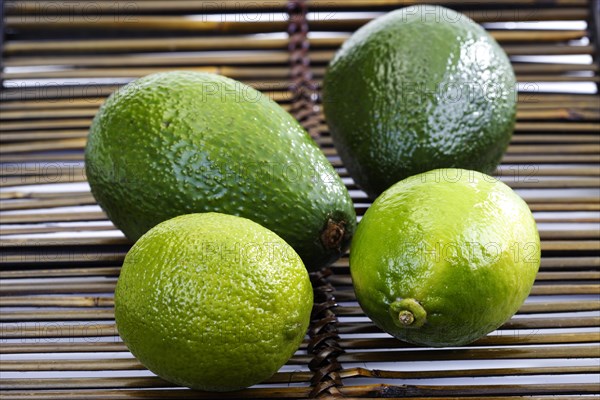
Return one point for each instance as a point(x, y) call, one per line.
point(212, 301)
point(444, 257)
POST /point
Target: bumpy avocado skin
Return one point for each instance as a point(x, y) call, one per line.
point(185, 142)
point(420, 88)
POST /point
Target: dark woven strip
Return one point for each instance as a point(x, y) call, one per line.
point(303, 88)
point(594, 31)
point(323, 345)
point(324, 339)
point(3, 7)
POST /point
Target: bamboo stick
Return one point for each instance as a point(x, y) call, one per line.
point(346, 4)
point(53, 217)
point(546, 49)
point(58, 272)
point(582, 245)
point(20, 7)
point(545, 234)
point(58, 301)
point(52, 104)
point(176, 59)
point(54, 288)
point(555, 113)
point(556, 126)
point(43, 157)
point(130, 45)
point(4, 230)
point(538, 289)
point(565, 289)
point(514, 149)
point(74, 329)
point(492, 340)
point(239, 74)
point(526, 101)
point(534, 97)
point(211, 60)
point(584, 351)
point(251, 393)
point(289, 377)
point(106, 394)
point(421, 391)
point(98, 215)
point(345, 280)
point(353, 343)
point(40, 195)
point(100, 7)
point(63, 347)
point(551, 158)
point(555, 138)
point(520, 323)
point(114, 364)
point(97, 255)
point(56, 330)
point(527, 308)
point(58, 103)
point(91, 312)
point(149, 6)
point(551, 68)
point(48, 113)
point(152, 23)
point(75, 241)
point(29, 136)
point(551, 182)
point(576, 105)
point(547, 263)
point(577, 275)
point(516, 170)
point(50, 203)
point(460, 373)
point(63, 315)
point(139, 382)
point(171, 44)
point(564, 113)
point(43, 145)
point(564, 207)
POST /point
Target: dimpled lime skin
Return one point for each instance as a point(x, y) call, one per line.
point(460, 243)
point(186, 142)
point(419, 88)
point(212, 301)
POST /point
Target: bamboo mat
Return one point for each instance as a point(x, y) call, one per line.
point(60, 256)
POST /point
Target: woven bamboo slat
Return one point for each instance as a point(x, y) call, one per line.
point(59, 60)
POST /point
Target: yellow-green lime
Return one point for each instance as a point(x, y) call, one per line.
point(212, 301)
point(444, 257)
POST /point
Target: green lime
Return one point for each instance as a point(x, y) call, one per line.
point(212, 301)
point(444, 257)
point(420, 88)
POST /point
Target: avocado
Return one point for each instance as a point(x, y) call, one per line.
point(419, 88)
point(185, 142)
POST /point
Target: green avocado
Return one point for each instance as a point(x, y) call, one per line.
point(420, 88)
point(185, 142)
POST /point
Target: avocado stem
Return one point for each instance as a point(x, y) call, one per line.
point(333, 234)
point(408, 313)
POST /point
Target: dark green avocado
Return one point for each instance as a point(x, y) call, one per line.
point(420, 88)
point(186, 142)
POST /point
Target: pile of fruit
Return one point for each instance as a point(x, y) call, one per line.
point(230, 203)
